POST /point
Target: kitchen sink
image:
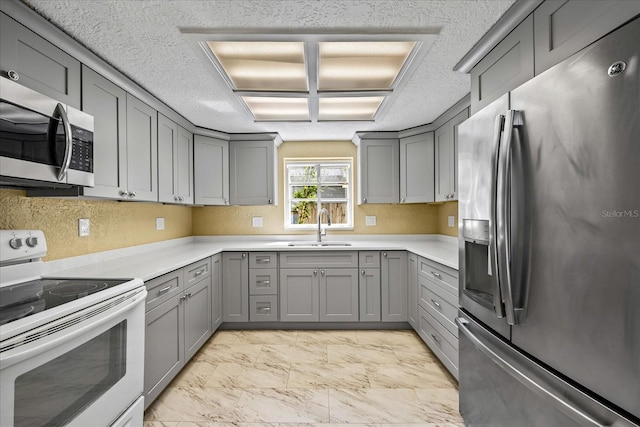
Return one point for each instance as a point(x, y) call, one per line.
point(319, 244)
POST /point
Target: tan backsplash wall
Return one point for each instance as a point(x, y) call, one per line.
point(444, 211)
point(391, 219)
point(114, 225)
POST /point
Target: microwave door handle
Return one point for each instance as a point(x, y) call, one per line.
point(493, 250)
point(59, 113)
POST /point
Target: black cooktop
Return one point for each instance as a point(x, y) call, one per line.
point(28, 298)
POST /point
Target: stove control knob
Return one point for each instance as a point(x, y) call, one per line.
point(15, 243)
point(32, 241)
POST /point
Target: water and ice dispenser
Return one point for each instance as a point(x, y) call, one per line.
point(480, 281)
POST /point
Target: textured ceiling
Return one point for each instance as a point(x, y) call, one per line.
point(142, 39)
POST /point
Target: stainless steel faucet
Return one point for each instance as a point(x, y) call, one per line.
point(319, 225)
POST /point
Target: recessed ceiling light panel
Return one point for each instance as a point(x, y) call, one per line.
point(351, 108)
point(262, 65)
point(278, 109)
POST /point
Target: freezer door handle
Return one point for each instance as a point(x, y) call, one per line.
point(554, 397)
point(493, 251)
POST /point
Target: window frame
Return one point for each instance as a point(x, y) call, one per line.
point(322, 161)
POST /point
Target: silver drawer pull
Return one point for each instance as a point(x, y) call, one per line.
point(263, 282)
point(199, 272)
point(264, 308)
point(263, 260)
point(435, 338)
point(434, 274)
point(436, 303)
point(164, 290)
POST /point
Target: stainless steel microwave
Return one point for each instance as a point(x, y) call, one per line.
point(43, 143)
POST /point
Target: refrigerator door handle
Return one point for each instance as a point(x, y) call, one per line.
point(504, 231)
point(556, 398)
point(498, 307)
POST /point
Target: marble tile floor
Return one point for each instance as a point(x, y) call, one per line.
point(310, 378)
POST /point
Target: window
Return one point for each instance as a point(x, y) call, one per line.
point(315, 184)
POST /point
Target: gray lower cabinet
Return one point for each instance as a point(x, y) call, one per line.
point(370, 304)
point(393, 269)
point(416, 168)
point(178, 322)
point(339, 298)
point(175, 162)
point(440, 341)
point(216, 292)
point(299, 295)
point(142, 151)
point(263, 286)
point(37, 63)
point(235, 287)
point(412, 291)
point(211, 170)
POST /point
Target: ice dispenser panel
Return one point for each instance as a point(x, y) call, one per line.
point(480, 281)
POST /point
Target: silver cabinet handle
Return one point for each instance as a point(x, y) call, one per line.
point(124, 193)
point(164, 290)
point(68, 149)
point(270, 201)
point(384, 254)
point(402, 200)
point(434, 274)
point(244, 255)
point(265, 260)
point(554, 397)
point(362, 272)
point(435, 338)
point(436, 303)
point(183, 297)
point(132, 194)
point(226, 202)
point(199, 272)
point(13, 75)
point(315, 272)
point(322, 272)
point(263, 282)
point(265, 308)
point(364, 200)
point(176, 198)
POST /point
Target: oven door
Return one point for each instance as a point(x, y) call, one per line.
point(83, 369)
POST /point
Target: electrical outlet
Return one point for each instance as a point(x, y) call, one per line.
point(83, 227)
point(256, 221)
point(159, 223)
point(451, 220)
point(370, 220)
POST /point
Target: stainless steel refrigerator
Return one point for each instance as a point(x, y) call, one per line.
point(549, 208)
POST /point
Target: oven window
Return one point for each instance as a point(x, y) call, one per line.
point(54, 393)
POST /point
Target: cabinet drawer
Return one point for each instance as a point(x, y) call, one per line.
point(263, 281)
point(312, 259)
point(163, 288)
point(263, 308)
point(263, 260)
point(369, 259)
point(197, 271)
point(437, 303)
point(441, 275)
point(441, 342)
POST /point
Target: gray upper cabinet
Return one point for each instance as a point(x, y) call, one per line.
point(142, 151)
point(564, 27)
point(107, 103)
point(211, 170)
point(253, 170)
point(416, 168)
point(506, 67)
point(446, 158)
point(216, 292)
point(175, 162)
point(39, 64)
point(378, 170)
point(235, 287)
point(394, 286)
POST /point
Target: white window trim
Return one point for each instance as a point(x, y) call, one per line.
point(321, 160)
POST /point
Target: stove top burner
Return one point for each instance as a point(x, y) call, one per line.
point(28, 298)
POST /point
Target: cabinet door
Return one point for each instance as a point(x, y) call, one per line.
point(416, 169)
point(562, 27)
point(184, 166)
point(339, 298)
point(235, 287)
point(216, 292)
point(142, 150)
point(164, 347)
point(167, 142)
point(299, 295)
point(446, 158)
point(506, 67)
point(107, 103)
point(211, 170)
point(394, 286)
point(197, 316)
point(369, 289)
point(412, 276)
point(378, 170)
point(251, 172)
point(40, 65)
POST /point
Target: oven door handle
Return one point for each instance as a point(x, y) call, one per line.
point(59, 113)
point(37, 341)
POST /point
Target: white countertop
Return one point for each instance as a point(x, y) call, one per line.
point(149, 261)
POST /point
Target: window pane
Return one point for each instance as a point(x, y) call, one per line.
point(334, 174)
point(334, 192)
point(304, 213)
point(302, 174)
point(338, 211)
